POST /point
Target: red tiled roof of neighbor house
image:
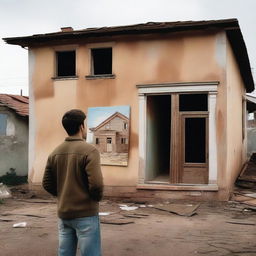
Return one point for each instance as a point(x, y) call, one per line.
point(68, 36)
point(20, 104)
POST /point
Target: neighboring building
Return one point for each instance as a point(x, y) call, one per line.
point(251, 109)
point(112, 135)
point(14, 134)
point(251, 125)
point(185, 83)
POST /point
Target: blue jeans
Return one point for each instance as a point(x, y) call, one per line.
point(84, 231)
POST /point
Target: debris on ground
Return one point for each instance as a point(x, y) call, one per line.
point(4, 191)
point(20, 225)
point(6, 220)
point(187, 210)
point(115, 219)
point(241, 223)
point(125, 207)
point(104, 213)
point(136, 215)
point(247, 177)
point(27, 215)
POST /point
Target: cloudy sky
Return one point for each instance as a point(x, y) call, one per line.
point(27, 17)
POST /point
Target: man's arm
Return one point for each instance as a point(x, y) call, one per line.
point(93, 171)
point(49, 180)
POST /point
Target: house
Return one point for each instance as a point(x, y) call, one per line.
point(14, 112)
point(185, 84)
point(112, 134)
point(251, 124)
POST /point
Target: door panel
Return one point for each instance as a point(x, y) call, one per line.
point(194, 143)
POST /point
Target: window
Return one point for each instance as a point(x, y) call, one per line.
point(101, 61)
point(66, 63)
point(3, 124)
point(193, 102)
point(125, 126)
point(123, 141)
point(97, 141)
point(109, 140)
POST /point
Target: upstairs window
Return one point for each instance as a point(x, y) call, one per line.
point(66, 63)
point(101, 61)
point(3, 124)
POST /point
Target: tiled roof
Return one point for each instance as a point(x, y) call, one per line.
point(20, 104)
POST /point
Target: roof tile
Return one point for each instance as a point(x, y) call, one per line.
point(20, 104)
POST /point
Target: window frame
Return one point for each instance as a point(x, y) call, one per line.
point(91, 75)
point(64, 77)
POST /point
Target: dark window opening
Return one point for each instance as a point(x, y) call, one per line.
point(125, 126)
point(193, 102)
point(97, 141)
point(3, 124)
point(102, 61)
point(66, 63)
point(195, 140)
point(109, 140)
point(123, 140)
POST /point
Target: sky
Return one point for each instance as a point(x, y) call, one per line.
point(28, 17)
point(97, 115)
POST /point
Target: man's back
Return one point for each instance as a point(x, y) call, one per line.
point(73, 174)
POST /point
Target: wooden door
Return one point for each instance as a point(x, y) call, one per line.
point(194, 148)
point(109, 145)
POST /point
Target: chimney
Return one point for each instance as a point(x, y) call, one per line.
point(66, 29)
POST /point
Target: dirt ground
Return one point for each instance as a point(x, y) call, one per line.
point(216, 229)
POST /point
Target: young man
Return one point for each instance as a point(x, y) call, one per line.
point(73, 174)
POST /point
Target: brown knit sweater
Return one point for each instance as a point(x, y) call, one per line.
point(73, 174)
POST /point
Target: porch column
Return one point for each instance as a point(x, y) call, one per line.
point(142, 137)
point(213, 170)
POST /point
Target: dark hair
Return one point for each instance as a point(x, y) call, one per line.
point(72, 120)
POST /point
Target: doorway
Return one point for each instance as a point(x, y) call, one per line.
point(177, 138)
point(158, 138)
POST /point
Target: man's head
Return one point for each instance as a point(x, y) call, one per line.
point(73, 122)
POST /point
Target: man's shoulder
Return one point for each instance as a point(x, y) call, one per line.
point(85, 147)
point(79, 147)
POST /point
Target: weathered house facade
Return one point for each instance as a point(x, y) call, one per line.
point(112, 134)
point(185, 83)
point(14, 134)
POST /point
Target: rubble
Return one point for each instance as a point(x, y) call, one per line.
point(187, 210)
point(4, 191)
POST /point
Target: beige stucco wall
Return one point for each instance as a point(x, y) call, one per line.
point(181, 57)
point(236, 142)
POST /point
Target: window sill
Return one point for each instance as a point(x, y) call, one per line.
point(59, 78)
point(104, 76)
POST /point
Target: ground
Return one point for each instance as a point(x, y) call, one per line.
point(120, 159)
point(216, 228)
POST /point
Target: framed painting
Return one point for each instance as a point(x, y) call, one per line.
point(108, 129)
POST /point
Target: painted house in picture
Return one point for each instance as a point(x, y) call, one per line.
point(185, 83)
point(14, 112)
point(110, 136)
